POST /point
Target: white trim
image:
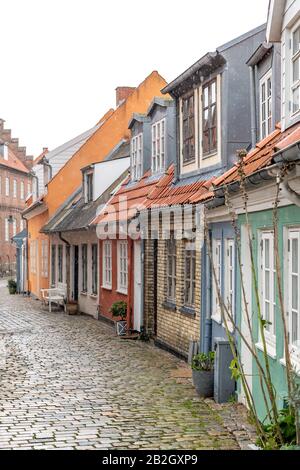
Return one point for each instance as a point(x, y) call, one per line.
point(268, 293)
point(293, 234)
point(122, 250)
point(217, 262)
point(158, 146)
point(265, 104)
point(107, 264)
point(229, 279)
point(136, 157)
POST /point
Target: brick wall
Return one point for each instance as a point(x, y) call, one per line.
point(174, 328)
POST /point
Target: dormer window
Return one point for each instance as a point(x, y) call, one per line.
point(89, 187)
point(266, 105)
point(209, 119)
point(158, 146)
point(296, 70)
point(188, 129)
point(136, 157)
point(4, 151)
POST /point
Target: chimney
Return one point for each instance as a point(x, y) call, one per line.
point(122, 93)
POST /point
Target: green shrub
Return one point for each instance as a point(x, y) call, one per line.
point(119, 309)
point(203, 361)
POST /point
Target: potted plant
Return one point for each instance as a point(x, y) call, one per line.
point(119, 310)
point(12, 286)
point(203, 374)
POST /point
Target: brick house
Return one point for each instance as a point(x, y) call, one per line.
point(15, 185)
point(213, 121)
point(125, 253)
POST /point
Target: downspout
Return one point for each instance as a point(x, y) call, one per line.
point(129, 296)
point(143, 328)
point(253, 105)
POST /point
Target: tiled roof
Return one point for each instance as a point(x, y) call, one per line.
point(168, 193)
point(130, 198)
point(13, 162)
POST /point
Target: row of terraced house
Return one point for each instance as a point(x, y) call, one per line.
point(114, 213)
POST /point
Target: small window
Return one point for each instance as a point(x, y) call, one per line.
point(7, 189)
point(158, 146)
point(190, 274)
point(4, 151)
point(136, 157)
point(22, 190)
point(188, 129)
point(89, 187)
point(6, 230)
point(60, 263)
point(84, 266)
point(53, 265)
point(296, 70)
point(33, 256)
point(15, 189)
point(266, 105)
point(94, 269)
point(107, 264)
point(268, 286)
point(171, 269)
point(45, 258)
point(209, 119)
point(122, 266)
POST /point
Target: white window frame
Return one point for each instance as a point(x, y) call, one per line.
point(33, 256)
point(217, 263)
point(268, 299)
point(294, 85)
point(137, 157)
point(5, 151)
point(6, 229)
point(293, 234)
point(7, 186)
point(14, 225)
point(107, 264)
point(122, 266)
point(158, 146)
point(229, 280)
point(22, 190)
point(15, 188)
point(265, 104)
point(45, 258)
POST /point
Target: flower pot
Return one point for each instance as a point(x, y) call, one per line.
point(72, 308)
point(203, 382)
point(121, 328)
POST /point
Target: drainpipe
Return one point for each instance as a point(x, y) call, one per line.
point(253, 105)
point(130, 278)
point(143, 328)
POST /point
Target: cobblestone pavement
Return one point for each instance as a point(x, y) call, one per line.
point(68, 382)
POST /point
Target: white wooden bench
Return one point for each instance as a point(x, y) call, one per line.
point(57, 295)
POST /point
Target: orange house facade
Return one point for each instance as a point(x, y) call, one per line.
point(106, 135)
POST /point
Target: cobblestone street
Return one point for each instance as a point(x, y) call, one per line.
point(67, 382)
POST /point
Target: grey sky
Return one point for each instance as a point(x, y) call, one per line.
point(62, 59)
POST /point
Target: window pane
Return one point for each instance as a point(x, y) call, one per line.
point(296, 100)
point(294, 327)
point(295, 292)
point(205, 97)
point(263, 92)
point(296, 69)
point(267, 285)
point(213, 92)
point(296, 41)
point(295, 256)
point(267, 254)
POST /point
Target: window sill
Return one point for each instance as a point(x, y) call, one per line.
point(271, 350)
point(121, 291)
point(189, 311)
point(94, 296)
point(106, 287)
point(188, 162)
point(209, 155)
point(169, 306)
point(83, 293)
